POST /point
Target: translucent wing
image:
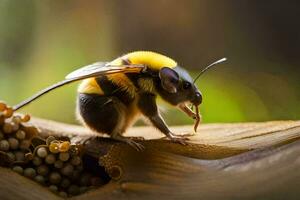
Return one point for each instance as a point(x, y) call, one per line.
point(102, 68)
point(93, 70)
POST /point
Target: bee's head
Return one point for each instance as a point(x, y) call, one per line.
point(176, 86)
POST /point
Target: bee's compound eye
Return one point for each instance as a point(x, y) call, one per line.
point(186, 85)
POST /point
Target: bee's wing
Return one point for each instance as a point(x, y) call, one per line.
point(102, 68)
point(93, 70)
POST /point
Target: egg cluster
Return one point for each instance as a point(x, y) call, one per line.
point(56, 164)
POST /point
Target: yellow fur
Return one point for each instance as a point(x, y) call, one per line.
point(90, 86)
point(151, 59)
point(123, 81)
point(132, 114)
point(146, 84)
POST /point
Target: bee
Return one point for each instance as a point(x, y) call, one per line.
point(113, 95)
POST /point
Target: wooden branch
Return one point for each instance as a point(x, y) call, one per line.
point(222, 161)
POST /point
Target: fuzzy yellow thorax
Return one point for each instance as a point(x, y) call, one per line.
point(151, 59)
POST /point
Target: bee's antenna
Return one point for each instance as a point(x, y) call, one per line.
point(208, 67)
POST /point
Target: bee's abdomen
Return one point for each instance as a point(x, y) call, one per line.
point(98, 112)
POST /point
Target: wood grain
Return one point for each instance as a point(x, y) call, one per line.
point(221, 161)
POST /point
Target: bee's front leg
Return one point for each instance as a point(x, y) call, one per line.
point(148, 107)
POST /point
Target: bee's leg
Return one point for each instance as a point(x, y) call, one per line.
point(148, 107)
point(117, 136)
point(105, 115)
point(122, 125)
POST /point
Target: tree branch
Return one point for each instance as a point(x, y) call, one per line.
point(222, 161)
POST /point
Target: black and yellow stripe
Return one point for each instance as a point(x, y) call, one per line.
point(131, 82)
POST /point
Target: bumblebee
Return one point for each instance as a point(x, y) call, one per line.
point(113, 95)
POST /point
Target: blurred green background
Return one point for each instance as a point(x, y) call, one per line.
point(42, 41)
